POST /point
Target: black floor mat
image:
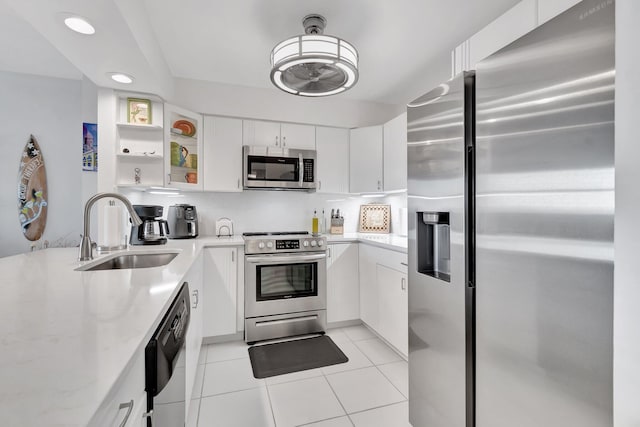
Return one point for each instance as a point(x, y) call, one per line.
point(280, 358)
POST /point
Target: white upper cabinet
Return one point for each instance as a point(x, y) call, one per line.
point(365, 160)
point(510, 26)
point(139, 146)
point(395, 154)
point(298, 136)
point(274, 134)
point(548, 9)
point(183, 148)
point(222, 165)
point(507, 28)
point(256, 132)
point(333, 160)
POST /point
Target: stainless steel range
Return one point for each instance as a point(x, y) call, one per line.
point(285, 284)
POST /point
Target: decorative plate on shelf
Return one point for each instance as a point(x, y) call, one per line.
point(375, 218)
point(184, 127)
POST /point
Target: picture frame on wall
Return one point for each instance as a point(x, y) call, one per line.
point(139, 111)
point(90, 147)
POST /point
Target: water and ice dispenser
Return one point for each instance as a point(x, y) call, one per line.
point(434, 244)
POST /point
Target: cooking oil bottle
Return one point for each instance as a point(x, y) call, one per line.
point(314, 223)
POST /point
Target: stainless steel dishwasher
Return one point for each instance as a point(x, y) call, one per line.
point(165, 365)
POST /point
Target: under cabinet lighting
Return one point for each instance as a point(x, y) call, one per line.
point(79, 25)
point(121, 78)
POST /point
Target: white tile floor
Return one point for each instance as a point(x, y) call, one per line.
point(370, 390)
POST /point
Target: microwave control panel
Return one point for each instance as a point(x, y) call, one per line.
point(307, 176)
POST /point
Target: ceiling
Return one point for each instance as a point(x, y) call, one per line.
point(229, 41)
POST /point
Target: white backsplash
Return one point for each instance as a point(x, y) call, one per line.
point(271, 210)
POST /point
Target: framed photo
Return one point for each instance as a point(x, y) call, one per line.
point(90, 147)
point(139, 111)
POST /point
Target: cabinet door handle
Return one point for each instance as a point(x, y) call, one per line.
point(329, 252)
point(405, 264)
point(403, 284)
point(379, 185)
point(284, 141)
point(319, 185)
point(238, 182)
point(233, 255)
point(169, 178)
point(126, 416)
point(276, 141)
point(196, 295)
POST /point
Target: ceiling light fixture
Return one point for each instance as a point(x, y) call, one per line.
point(121, 78)
point(314, 64)
point(79, 25)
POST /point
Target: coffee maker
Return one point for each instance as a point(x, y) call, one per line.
point(153, 228)
point(183, 222)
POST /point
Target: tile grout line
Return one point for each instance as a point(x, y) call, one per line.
point(364, 410)
point(337, 398)
point(204, 371)
point(234, 391)
point(377, 407)
point(391, 382)
point(273, 413)
point(321, 421)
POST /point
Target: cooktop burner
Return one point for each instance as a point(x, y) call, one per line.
point(276, 233)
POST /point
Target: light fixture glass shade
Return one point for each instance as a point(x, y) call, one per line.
point(314, 65)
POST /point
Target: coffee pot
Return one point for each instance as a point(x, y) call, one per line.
point(153, 230)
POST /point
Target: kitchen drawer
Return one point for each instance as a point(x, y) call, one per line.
point(128, 388)
point(388, 258)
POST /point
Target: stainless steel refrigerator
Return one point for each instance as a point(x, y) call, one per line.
point(511, 202)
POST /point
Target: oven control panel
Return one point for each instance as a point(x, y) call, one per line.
point(287, 244)
point(279, 245)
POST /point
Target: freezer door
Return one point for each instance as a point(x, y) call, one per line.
point(436, 153)
point(545, 205)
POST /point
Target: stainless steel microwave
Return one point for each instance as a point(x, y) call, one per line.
point(278, 168)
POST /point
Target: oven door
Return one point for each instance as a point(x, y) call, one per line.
point(285, 283)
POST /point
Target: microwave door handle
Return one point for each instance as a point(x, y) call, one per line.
point(300, 169)
point(269, 259)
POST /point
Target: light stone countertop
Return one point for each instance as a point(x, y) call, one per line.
point(386, 241)
point(66, 336)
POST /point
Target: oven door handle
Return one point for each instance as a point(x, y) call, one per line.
point(269, 259)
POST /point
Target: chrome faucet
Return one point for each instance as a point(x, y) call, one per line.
point(86, 245)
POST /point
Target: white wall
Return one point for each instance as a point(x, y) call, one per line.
point(273, 104)
point(627, 215)
point(270, 210)
point(89, 114)
point(50, 109)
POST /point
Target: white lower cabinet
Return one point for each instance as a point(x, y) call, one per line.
point(393, 306)
point(383, 294)
point(127, 401)
point(343, 288)
point(220, 291)
point(368, 286)
point(194, 334)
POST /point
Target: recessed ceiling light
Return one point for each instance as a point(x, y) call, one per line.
point(121, 78)
point(79, 25)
